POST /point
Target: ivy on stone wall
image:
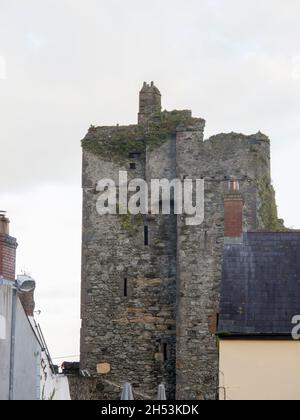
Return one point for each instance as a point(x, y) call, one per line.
point(268, 209)
point(118, 142)
point(131, 223)
point(164, 125)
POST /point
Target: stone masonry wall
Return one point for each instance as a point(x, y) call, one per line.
point(163, 330)
point(200, 249)
point(134, 334)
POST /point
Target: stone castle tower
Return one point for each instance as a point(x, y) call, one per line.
point(150, 284)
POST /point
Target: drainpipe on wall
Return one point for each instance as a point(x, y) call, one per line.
point(12, 343)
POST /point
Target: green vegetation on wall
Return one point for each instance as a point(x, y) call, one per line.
point(268, 210)
point(118, 142)
point(131, 223)
point(164, 125)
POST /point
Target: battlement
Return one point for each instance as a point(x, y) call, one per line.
point(150, 87)
point(118, 142)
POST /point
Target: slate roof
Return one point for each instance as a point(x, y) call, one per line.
point(260, 287)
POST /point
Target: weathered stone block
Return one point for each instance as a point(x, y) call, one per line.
point(103, 368)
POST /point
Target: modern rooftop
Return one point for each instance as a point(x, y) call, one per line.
point(260, 290)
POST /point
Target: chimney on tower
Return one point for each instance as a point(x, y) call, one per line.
point(233, 210)
point(150, 102)
point(8, 247)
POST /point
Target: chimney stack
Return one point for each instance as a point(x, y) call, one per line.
point(150, 102)
point(8, 247)
point(233, 211)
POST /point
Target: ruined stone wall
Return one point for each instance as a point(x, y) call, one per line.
point(134, 334)
point(200, 248)
point(85, 389)
point(164, 329)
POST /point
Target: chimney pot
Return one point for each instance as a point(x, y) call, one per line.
point(234, 185)
point(4, 223)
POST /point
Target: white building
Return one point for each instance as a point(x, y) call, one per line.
point(26, 368)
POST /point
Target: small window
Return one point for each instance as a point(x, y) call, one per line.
point(146, 235)
point(132, 166)
point(125, 288)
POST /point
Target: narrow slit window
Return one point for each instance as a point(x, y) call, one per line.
point(125, 287)
point(146, 235)
point(132, 166)
point(172, 207)
point(205, 240)
point(217, 321)
point(165, 351)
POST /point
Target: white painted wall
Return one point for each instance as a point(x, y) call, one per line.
point(33, 378)
point(5, 315)
point(259, 370)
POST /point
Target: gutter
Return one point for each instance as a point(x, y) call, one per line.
point(255, 336)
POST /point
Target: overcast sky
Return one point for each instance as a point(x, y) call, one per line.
point(66, 64)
